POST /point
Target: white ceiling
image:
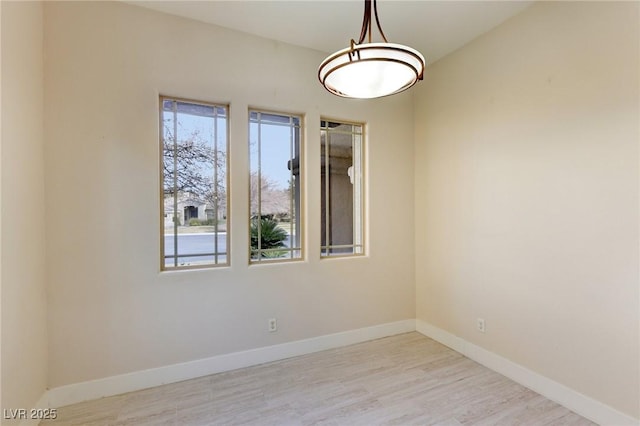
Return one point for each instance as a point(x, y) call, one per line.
point(435, 28)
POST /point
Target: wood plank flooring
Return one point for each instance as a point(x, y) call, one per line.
point(406, 379)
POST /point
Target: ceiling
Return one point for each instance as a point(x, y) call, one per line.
point(435, 28)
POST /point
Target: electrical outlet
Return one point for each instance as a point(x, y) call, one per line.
point(480, 324)
point(273, 325)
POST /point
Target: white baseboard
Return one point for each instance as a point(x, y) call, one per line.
point(109, 386)
point(573, 400)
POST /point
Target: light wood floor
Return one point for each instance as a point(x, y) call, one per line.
point(400, 380)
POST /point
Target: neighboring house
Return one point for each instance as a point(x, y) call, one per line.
point(189, 207)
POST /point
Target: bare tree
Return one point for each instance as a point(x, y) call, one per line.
point(273, 200)
point(192, 166)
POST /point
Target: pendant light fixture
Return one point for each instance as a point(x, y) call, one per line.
point(368, 70)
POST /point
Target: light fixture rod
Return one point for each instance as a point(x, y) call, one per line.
point(366, 22)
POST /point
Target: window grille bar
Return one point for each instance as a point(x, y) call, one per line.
point(215, 184)
point(175, 183)
point(341, 246)
point(259, 187)
point(327, 199)
point(292, 211)
point(357, 216)
point(195, 254)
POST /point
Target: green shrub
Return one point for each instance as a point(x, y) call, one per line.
point(271, 237)
point(198, 222)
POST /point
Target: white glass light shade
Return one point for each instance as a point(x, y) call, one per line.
point(371, 70)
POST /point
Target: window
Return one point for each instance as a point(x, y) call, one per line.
point(194, 166)
point(342, 189)
point(275, 186)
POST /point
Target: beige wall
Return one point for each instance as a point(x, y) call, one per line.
point(111, 310)
point(24, 330)
point(527, 195)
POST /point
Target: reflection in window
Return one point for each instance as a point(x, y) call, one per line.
point(194, 184)
point(275, 186)
point(342, 189)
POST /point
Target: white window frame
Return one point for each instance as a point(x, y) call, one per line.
point(297, 252)
point(220, 258)
point(356, 175)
